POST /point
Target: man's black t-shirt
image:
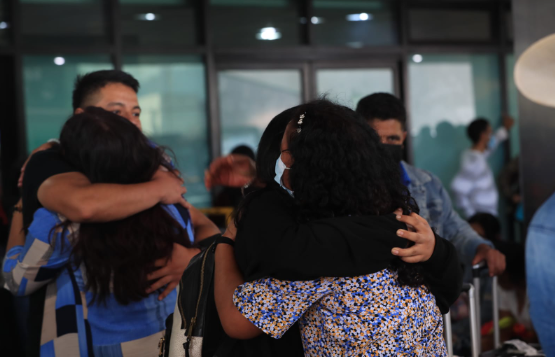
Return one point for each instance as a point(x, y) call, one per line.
point(41, 166)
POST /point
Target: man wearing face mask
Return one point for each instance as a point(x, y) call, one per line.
point(474, 185)
point(387, 115)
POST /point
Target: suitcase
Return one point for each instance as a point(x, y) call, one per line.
point(473, 291)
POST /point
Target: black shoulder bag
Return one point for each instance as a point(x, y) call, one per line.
point(196, 331)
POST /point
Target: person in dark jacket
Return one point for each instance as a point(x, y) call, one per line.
point(319, 231)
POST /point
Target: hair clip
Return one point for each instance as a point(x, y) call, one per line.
point(300, 122)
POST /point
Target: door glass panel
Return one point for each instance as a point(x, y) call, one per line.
point(255, 23)
point(48, 82)
point(355, 23)
point(73, 23)
point(173, 102)
point(449, 25)
point(447, 92)
point(159, 22)
point(249, 99)
point(348, 86)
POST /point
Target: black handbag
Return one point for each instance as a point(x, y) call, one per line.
point(194, 329)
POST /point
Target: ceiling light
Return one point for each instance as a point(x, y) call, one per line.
point(3, 25)
point(149, 16)
point(359, 17)
point(59, 61)
point(417, 58)
point(268, 34)
point(316, 20)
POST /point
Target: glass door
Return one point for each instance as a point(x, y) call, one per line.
point(250, 97)
point(346, 83)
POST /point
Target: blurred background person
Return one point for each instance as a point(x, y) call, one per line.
point(474, 185)
point(387, 115)
point(540, 274)
point(232, 196)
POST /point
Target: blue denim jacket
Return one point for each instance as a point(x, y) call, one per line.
point(436, 207)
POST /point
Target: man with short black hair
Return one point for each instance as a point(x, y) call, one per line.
point(387, 115)
point(48, 181)
point(474, 185)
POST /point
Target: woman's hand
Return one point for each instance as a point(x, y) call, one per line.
point(170, 270)
point(421, 234)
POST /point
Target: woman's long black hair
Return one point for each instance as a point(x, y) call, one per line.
point(340, 169)
point(118, 255)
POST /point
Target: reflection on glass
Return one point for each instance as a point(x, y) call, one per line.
point(348, 86)
point(447, 92)
point(449, 25)
point(255, 23)
point(249, 99)
point(173, 102)
point(354, 23)
point(79, 23)
point(158, 22)
point(513, 103)
point(48, 89)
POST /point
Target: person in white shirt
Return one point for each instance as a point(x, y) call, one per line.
point(474, 185)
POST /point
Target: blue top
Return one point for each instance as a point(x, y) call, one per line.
point(405, 178)
point(70, 327)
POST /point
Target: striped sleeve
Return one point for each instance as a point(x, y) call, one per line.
point(28, 268)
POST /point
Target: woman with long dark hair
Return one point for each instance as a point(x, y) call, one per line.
point(97, 273)
point(334, 191)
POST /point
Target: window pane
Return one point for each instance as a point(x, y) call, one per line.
point(5, 24)
point(348, 86)
point(159, 22)
point(249, 99)
point(449, 25)
point(447, 92)
point(48, 90)
point(255, 23)
point(173, 102)
point(354, 23)
point(79, 23)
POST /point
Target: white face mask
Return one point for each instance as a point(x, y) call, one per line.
point(280, 169)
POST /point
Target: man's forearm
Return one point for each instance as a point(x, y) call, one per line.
point(17, 235)
point(99, 202)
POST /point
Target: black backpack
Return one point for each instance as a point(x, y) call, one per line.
point(199, 332)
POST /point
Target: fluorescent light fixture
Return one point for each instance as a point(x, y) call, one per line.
point(268, 34)
point(59, 61)
point(363, 16)
point(316, 20)
point(149, 16)
point(417, 58)
point(3, 25)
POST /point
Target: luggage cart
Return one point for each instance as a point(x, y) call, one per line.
point(473, 291)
